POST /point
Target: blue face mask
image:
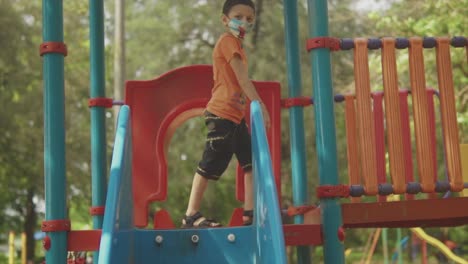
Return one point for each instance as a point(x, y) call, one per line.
point(239, 28)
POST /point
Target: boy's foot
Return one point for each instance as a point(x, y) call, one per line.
point(198, 221)
point(247, 217)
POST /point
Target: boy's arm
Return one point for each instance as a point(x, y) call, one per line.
point(241, 72)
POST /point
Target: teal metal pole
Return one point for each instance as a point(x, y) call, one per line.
point(325, 131)
point(98, 119)
point(398, 246)
point(296, 121)
point(54, 130)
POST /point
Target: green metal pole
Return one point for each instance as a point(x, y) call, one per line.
point(325, 131)
point(296, 121)
point(385, 244)
point(54, 130)
point(98, 119)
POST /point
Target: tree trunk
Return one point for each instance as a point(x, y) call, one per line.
point(258, 14)
point(30, 224)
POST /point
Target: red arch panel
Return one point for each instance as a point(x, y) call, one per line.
point(158, 106)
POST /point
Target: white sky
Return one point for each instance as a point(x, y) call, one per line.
point(368, 5)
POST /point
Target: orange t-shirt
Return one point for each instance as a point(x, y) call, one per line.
point(227, 98)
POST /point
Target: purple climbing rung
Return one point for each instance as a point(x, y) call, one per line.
point(403, 43)
point(118, 102)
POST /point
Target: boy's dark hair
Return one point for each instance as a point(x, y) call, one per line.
point(230, 3)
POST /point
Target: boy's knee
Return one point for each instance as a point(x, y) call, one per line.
point(207, 174)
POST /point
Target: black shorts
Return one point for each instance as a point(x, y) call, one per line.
point(224, 139)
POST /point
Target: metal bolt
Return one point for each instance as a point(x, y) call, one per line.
point(231, 238)
point(195, 239)
point(159, 239)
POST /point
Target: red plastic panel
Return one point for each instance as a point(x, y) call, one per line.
point(432, 135)
point(405, 125)
point(303, 234)
point(162, 220)
point(84, 240)
point(432, 125)
point(158, 107)
point(236, 217)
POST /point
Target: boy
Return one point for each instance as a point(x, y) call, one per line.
point(224, 115)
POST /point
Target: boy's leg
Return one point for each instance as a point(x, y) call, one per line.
point(243, 153)
point(216, 157)
point(248, 195)
point(193, 218)
point(199, 185)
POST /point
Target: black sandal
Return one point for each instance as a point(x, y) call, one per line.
point(249, 214)
point(198, 221)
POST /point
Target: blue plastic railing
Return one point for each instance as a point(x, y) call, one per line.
point(269, 228)
point(260, 243)
point(117, 238)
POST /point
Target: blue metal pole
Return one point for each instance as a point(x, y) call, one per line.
point(54, 130)
point(325, 131)
point(296, 121)
point(98, 119)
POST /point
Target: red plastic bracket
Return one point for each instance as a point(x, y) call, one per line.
point(101, 102)
point(46, 243)
point(96, 210)
point(56, 225)
point(341, 234)
point(53, 47)
point(296, 101)
point(323, 42)
point(80, 261)
point(332, 191)
point(300, 210)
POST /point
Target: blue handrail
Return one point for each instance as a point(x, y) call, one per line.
point(117, 237)
point(269, 228)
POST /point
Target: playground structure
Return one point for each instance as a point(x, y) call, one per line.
point(153, 109)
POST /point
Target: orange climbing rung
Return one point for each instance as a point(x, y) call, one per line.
point(405, 126)
point(365, 117)
point(449, 114)
point(424, 150)
point(352, 141)
point(392, 116)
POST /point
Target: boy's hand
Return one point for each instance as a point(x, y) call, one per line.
point(266, 116)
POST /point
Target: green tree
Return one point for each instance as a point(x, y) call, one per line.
point(22, 119)
point(19, 173)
